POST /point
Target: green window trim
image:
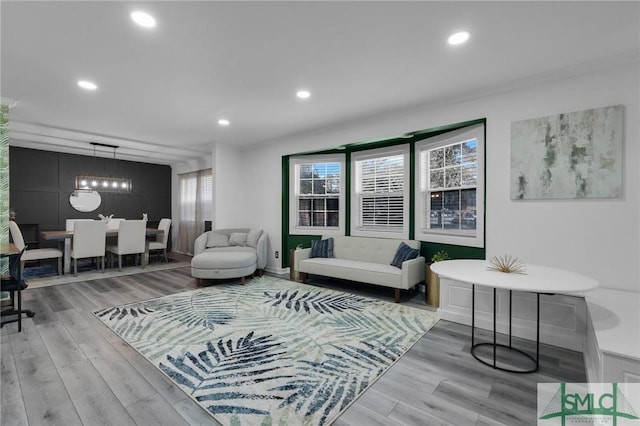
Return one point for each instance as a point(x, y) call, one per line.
point(290, 242)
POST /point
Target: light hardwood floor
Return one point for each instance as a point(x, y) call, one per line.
point(67, 368)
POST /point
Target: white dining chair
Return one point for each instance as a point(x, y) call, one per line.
point(114, 223)
point(131, 240)
point(33, 254)
point(161, 239)
point(89, 240)
point(69, 226)
point(71, 223)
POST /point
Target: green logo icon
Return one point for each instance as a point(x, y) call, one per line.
point(582, 405)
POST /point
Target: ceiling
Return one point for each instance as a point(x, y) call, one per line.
point(161, 91)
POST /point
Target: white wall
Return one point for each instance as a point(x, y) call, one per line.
point(599, 238)
point(232, 199)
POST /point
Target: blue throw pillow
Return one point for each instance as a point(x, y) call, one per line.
point(322, 248)
point(403, 253)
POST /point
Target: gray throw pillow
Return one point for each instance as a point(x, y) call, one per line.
point(253, 237)
point(322, 248)
point(238, 239)
point(217, 240)
point(404, 252)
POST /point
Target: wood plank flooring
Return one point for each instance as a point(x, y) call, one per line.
point(67, 368)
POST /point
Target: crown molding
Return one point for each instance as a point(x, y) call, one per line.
point(51, 138)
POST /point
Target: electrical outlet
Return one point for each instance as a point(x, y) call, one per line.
point(277, 254)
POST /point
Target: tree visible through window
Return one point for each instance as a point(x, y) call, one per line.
point(453, 176)
point(318, 201)
point(450, 194)
point(318, 194)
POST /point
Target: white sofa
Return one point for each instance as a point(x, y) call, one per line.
point(233, 261)
point(365, 260)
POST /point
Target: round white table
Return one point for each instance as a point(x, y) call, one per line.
point(536, 279)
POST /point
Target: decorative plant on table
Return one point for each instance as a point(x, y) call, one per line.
point(439, 256)
point(507, 264)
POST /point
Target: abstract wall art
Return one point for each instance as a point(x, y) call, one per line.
point(567, 156)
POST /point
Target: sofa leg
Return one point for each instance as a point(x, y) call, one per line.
point(198, 282)
point(303, 277)
point(397, 295)
point(242, 280)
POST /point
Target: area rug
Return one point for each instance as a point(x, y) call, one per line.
point(271, 352)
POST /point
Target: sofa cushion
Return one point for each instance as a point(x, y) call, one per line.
point(253, 236)
point(238, 239)
point(373, 273)
point(322, 248)
point(217, 240)
point(403, 253)
point(227, 259)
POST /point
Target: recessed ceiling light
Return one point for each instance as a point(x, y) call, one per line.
point(87, 85)
point(223, 122)
point(303, 94)
point(143, 19)
point(458, 38)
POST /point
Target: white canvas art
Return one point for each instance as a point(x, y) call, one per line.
point(571, 155)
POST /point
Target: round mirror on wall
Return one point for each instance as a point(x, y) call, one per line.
point(85, 201)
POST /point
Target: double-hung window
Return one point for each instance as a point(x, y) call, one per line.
point(316, 195)
point(380, 192)
point(450, 188)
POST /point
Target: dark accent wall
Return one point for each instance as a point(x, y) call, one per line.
point(41, 182)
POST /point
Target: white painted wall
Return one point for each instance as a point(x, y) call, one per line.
point(599, 238)
point(231, 196)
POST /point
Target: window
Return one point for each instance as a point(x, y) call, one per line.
point(450, 189)
point(196, 206)
point(316, 199)
point(380, 203)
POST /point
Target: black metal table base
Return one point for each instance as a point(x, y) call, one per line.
point(509, 347)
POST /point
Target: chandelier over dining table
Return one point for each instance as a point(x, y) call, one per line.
point(103, 183)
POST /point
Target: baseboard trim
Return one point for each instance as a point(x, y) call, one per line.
point(278, 271)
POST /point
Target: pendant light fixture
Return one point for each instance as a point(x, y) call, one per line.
point(102, 183)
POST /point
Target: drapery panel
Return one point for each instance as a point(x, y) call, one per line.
point(196, 206)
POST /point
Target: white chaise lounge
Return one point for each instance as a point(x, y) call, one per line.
point(229, 253)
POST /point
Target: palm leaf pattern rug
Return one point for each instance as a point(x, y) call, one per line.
point(271, 351)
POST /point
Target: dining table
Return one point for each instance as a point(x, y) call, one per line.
point(62, 236)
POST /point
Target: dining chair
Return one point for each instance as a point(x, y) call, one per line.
point(161, 239)
point(34, 254)
point(13, 283)
point(71, 223)
point(114, 223)
point(89, 240)
point(131, 240)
